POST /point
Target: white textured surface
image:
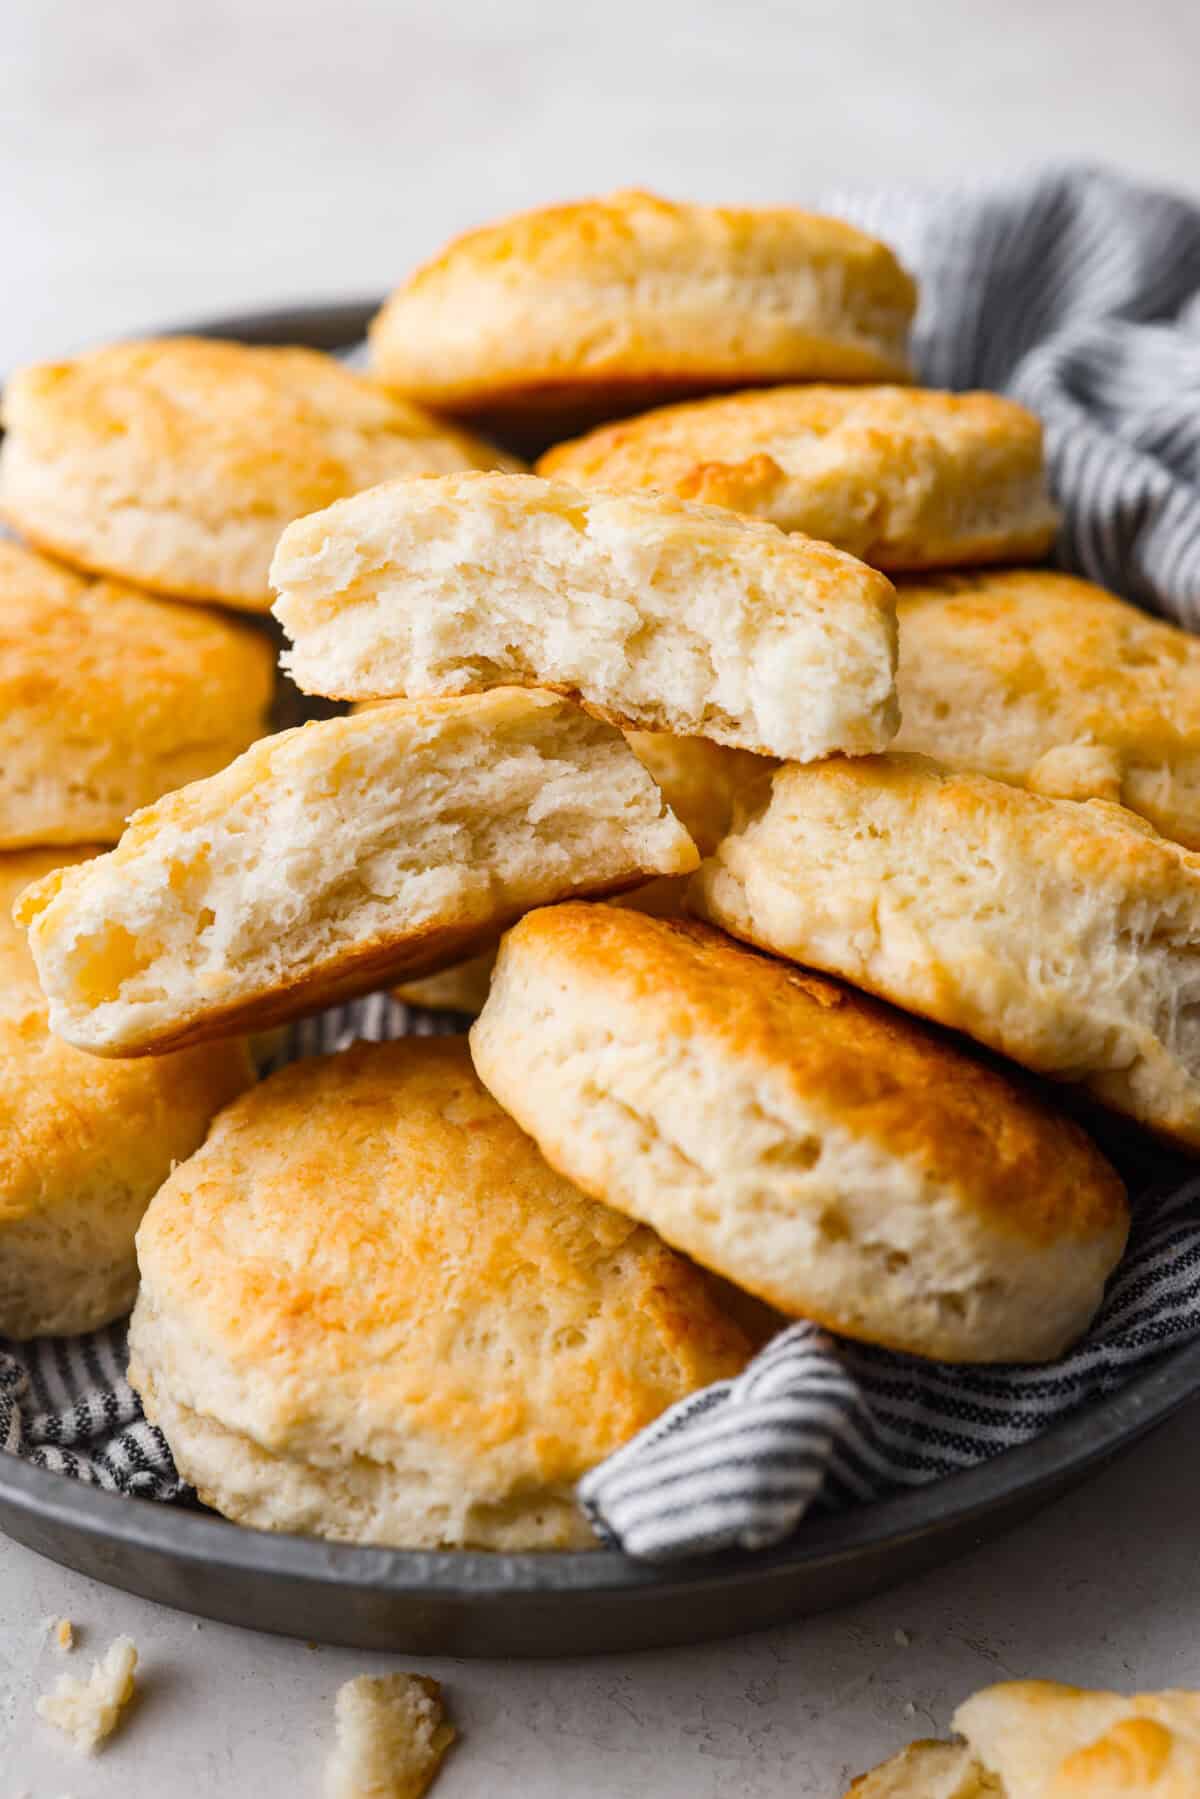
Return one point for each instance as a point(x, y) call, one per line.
point(163, 162)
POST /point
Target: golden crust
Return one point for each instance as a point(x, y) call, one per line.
point(176, 462)
point(570, 314)
point(915, 1093)
point(1062, 934)
point(110, 698)
point(368, 1262)
point(1051, 683)
point(901, 477)
point(84, 1144)
point(589, 1002)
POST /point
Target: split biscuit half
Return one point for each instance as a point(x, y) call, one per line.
point(656, 613)
point(334, 858)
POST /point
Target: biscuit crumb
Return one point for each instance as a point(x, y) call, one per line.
point(88, 1711)
point(392, 1733)
point(64, 1635)
point(903, 1639)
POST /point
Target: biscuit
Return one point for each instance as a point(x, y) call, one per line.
point(331, 858)
point(89, 1711)
point(392, 1735)
point(1051, 683)
point(899, 476)
point(462, 988)
point(84, 1144)
point(555, 319)
point(701, 783)
point(1035, 1739)
point(109, 698)
point(1062, 934)
point(836, 1159)
point(176, 462)
point(660, 615)
point(371, 1311)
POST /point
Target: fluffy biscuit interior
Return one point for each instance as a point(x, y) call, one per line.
point(413, 827)
point(663, 615)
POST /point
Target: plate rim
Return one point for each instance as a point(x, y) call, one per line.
point(1073, 1446)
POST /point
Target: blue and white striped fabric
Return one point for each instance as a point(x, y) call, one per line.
point(818, 1421)
point(1079, 293)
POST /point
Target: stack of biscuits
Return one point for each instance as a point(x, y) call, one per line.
point(777, 942)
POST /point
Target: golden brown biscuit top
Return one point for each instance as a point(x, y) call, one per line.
point(875, 1071)
point(375, 1238)
point(224, 428)
point(631, 233)
point(734, 449)
point(1102, 670)
point(93, 646)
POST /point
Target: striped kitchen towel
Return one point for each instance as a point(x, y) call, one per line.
point(819, 1421)
point(1078, 292)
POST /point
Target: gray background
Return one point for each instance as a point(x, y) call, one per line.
point(164, 161)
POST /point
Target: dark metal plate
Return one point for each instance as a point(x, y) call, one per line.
point(561, 1604)
point(553, 1604)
